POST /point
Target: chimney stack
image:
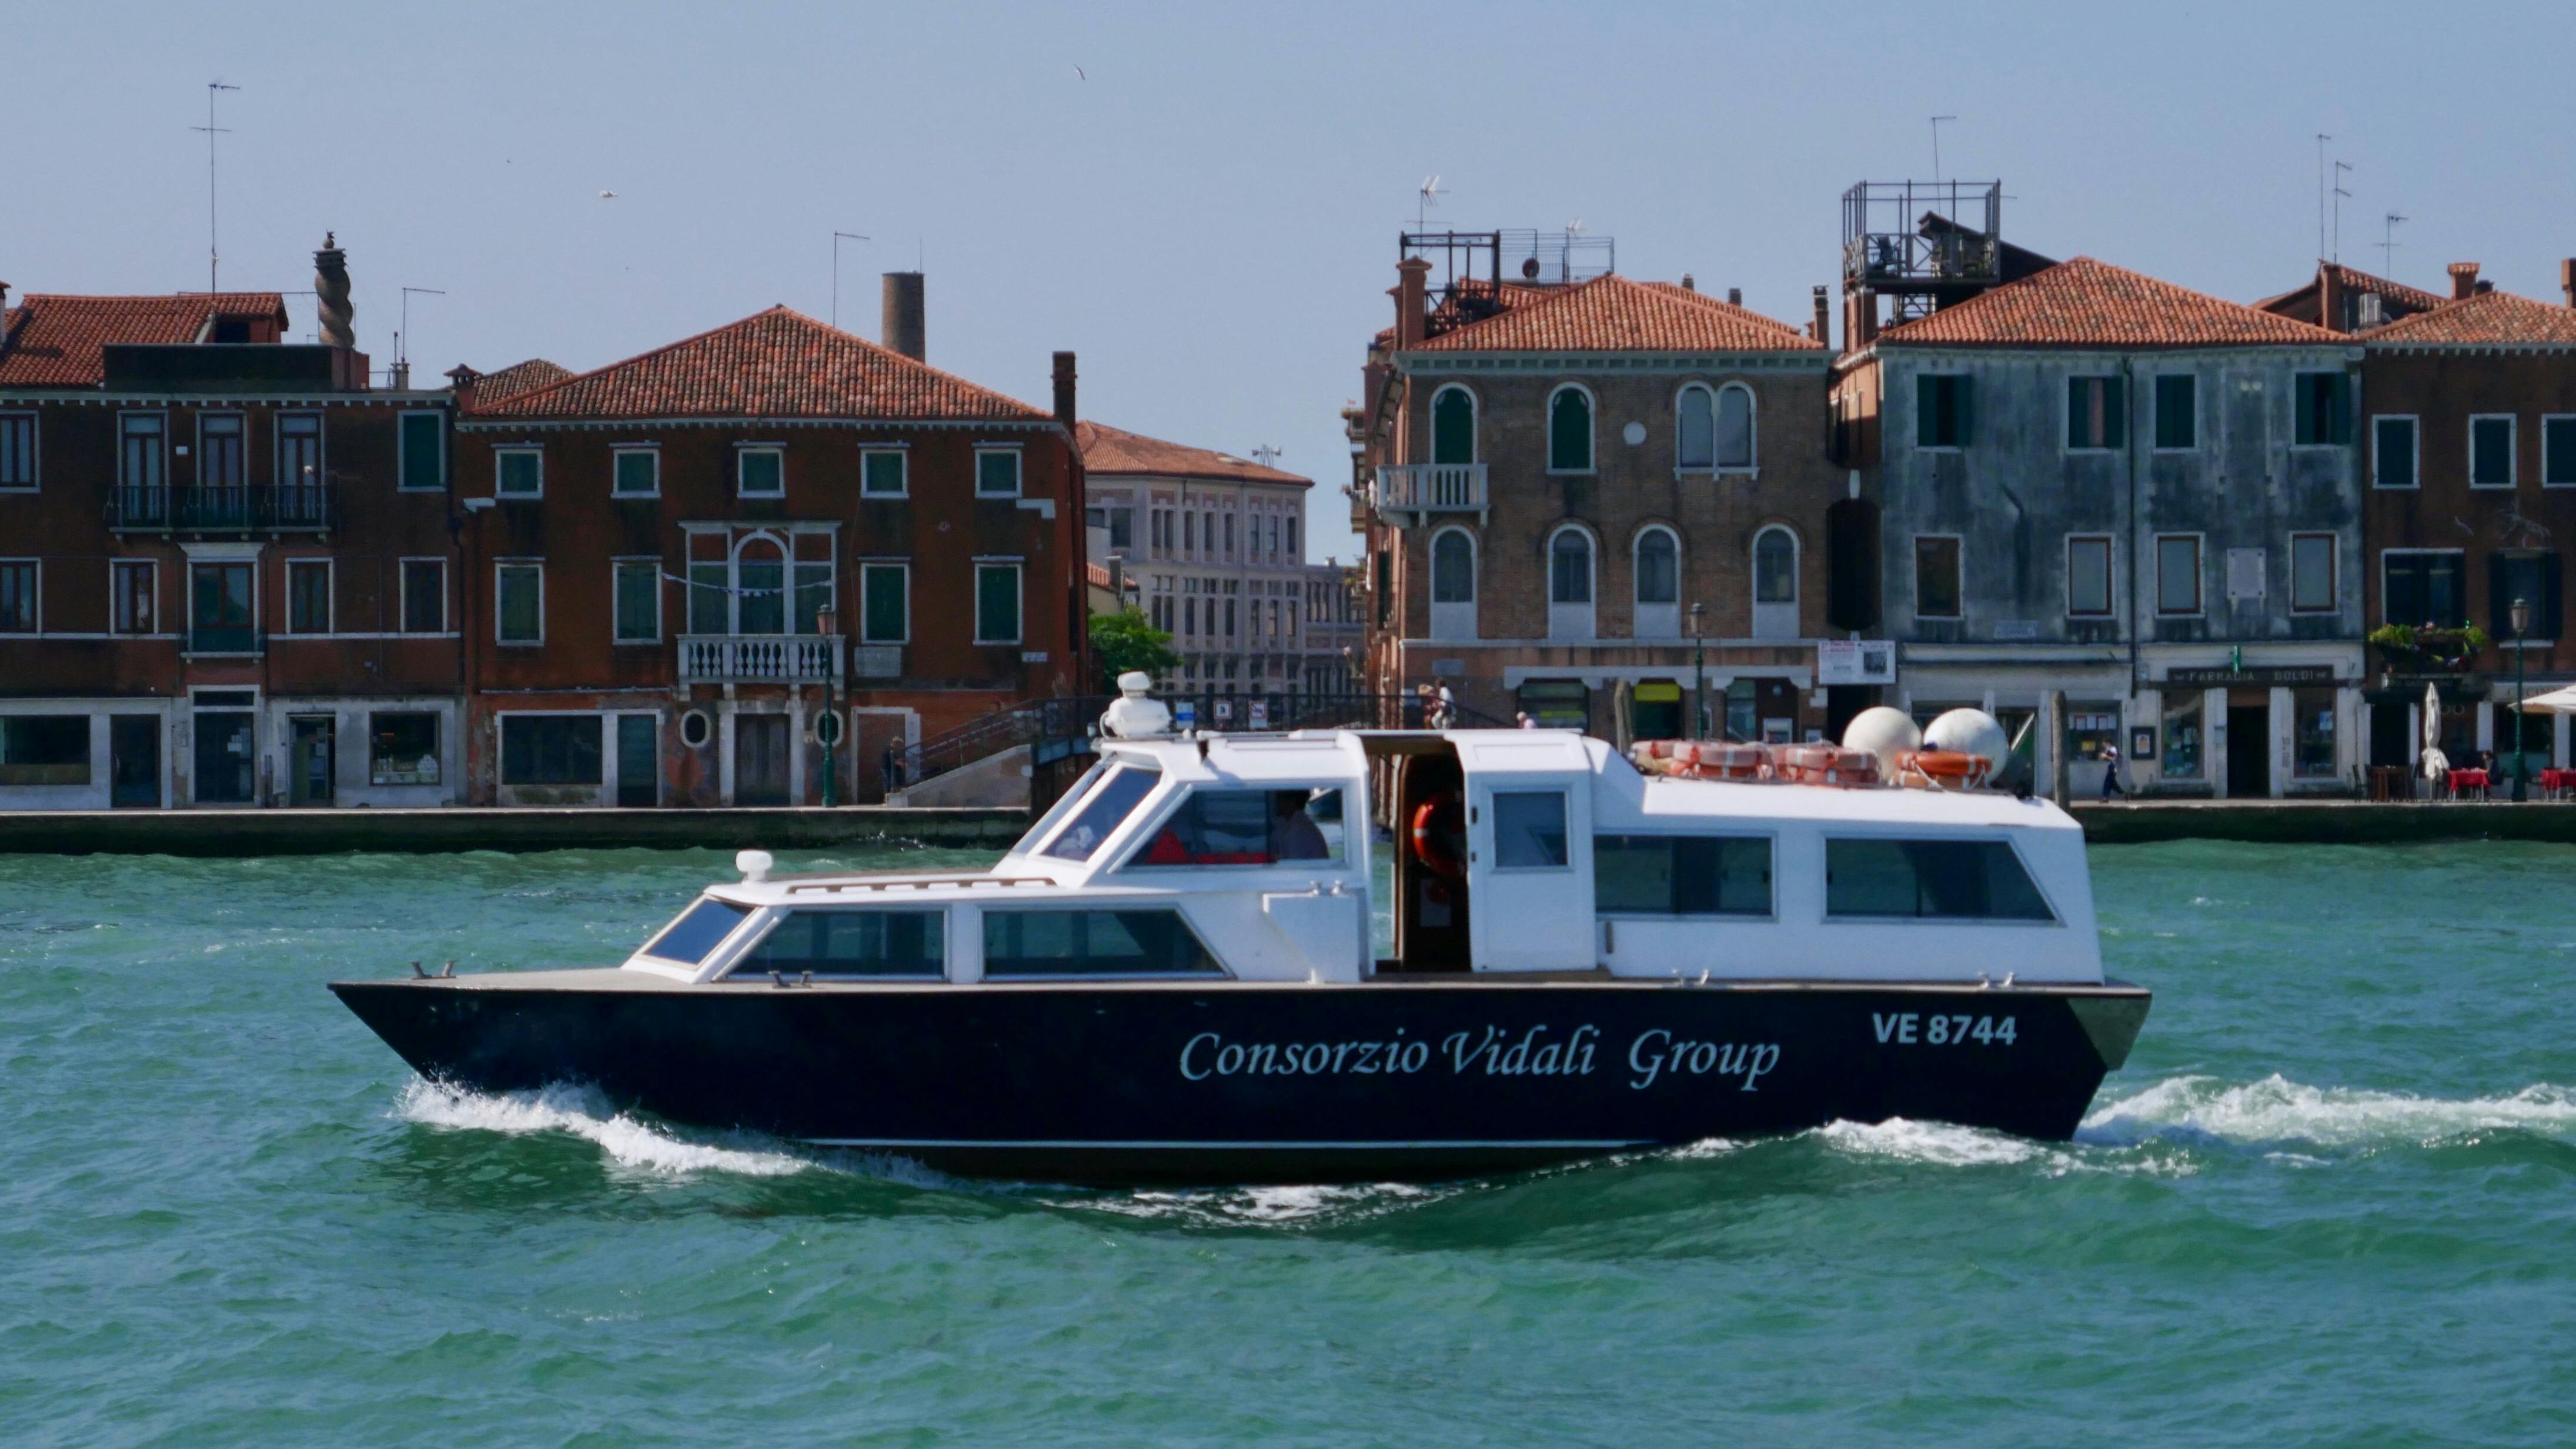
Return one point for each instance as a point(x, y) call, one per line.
point(1689, 283)
point(2464, 279)
point(1735, 296)
point(460, 384)
point(2330, 297)
point(2566, 282)
point(331, 292)
point(903, 329)
point(1412, 279)
point(1824, 319)
point(1064, 388)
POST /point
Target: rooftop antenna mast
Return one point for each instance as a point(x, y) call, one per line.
point(2388, 243)
point(402, 339)
point(839, 237)
point(2340, 197)
point(212, 130)
point(1429, 192)
point(2322, 139)
point(1936, 147)
point(1266, 455)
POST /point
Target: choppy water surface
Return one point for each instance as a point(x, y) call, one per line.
point(2331, 1200)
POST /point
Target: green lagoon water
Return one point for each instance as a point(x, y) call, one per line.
point(2332, 1200)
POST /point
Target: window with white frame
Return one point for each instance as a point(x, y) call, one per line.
point(222, 451)
point(299, 449)
point(1734, 428)
point(2393, 446)
point(1775, 566)
point(885, 603)
point(2558, 451)
point(519, 601)
point(1453, 427)
point(638, 601)
point(997, 472)
point(2088, 576)
point(17, 450)
point(881, 474)
point(140, 461)
point(760, 472)
point(1695, 429)
point(2312, 573)
point(519, 472)
point(2491, 450)
point(997, 603)
point(308, 596)
point(635, 472)
point(2096, 414)
point(133, 595)
point(2178, 573)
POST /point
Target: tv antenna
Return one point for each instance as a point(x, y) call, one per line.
point(839, 237)
point(402, 339)
point(2340, 197)
point(1266, 455)
point(1429, 192)
point(212, 130)
point(1936, 145)
point(2388, 243)
point(2322, 139)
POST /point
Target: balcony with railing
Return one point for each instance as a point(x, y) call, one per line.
point(236, 508)
point(1412, 492)
point(759, 659)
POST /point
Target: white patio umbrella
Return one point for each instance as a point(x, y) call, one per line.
point(2436, 764)
point(2556, 701)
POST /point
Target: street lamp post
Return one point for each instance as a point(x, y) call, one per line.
point(2521, 764)
point(1699, 675)
point(827, 624)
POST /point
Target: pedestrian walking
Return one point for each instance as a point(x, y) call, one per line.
point(891, 768)
point(2111, 772)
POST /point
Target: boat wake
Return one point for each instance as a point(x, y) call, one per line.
point(2277, 1110)
point(584, 1113)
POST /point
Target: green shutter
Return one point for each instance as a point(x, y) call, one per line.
point(708, 611)
point(2305, 425)
point(1927, 412)
point(997, 604)
point(424, 450)
point(885, 622)
point(1569, 433)
point(2115, 413)
point(2079, 410)
point(1453, 427)
point(884, 474)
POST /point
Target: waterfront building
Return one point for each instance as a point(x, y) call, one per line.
point(228, 576)
point(652, 545)
point(1213, 547)
point(2096, 483)
point(1577, 489)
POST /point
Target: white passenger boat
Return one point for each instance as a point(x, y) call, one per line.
point(1170, 977)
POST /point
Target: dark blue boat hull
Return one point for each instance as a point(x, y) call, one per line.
point(1167, 1082)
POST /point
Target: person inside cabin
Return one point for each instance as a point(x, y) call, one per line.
point(1293, 833)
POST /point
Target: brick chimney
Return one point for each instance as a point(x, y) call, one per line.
point(2464, 280)
point(902, 328)
point(1064, 388)
point(1735, 296)
point(2566, 282)
point(1824, 323)
point(2330, 296)
point(1412, 278)
point(460, 381)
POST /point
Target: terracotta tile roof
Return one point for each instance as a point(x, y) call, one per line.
point(2490, 319)
point(56, 341)
point(2413, 299)
point(1614, 314)
point(774, 364)
point(1108, 451)
point(517, 378)
point(2088, 303)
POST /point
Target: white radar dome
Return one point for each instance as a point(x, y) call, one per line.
point(1885, 733)
point(1132, 716)
point(1970, 732)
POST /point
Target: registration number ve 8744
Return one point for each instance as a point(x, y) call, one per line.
point(1913, 1028)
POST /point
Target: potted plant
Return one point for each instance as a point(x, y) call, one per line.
point(2429, 649)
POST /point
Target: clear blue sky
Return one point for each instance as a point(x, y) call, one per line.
point(1210, 217)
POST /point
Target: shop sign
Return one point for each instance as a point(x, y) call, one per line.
point(2257, 674)
point(1855, 661)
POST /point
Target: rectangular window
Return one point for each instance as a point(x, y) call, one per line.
point(2424, 587)
point(1681, 875)
point(997, 472)
point(2177, 412)
point(139, 460)
point(1936, 578)
point(519, 472)
point(402, 748)
point(299, 450)
point(2088, 577)
point(850, 943)
point(881, 474)
point(17, 450)
point(424, 596)
point(1122, 527)
point(2392, 452)
point(2312, 573)
point(710, 605)
point(1189, 533)
point(18, 577)
point(2182, 735)
point(1930, 879)
point(1245, 827)
point(1114, 797)
point(220, 459)
point(132, 588)
point(639, 600)
point(2491, 450)
point(885, 603)
point(1941, 411)
point(1229, 535)
point(2177, 575)
point(813, 595)
point(223, 609)
point(308, 596)
point(1529, 830)
point(2323, 409)
point(2312, 734)
point(760, 472)
point(424, 452)
point(2096, 415)
point(2557, 451)
point(997, 603)
point(2531, 577)
point(635, 472)
point(1092, 943)
point(44, 749)
point(696, 934)
point(519, 607)
point(550, 749)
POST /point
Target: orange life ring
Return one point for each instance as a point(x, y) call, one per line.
point(1825, 765)
point(1439, 828)
point(1943, 768)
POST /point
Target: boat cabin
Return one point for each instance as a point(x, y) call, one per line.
point(1517, 855)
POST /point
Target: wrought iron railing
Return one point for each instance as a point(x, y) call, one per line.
point(224, 639)
point(759, 658)
point(235, 508)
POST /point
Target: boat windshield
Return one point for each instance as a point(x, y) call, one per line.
point(698, 931)
point(1101, 812)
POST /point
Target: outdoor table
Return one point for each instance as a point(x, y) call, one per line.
point(2468, 780)
point(2555, 782)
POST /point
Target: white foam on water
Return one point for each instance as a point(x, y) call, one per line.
point(583, 1113)
point(1937, 1144)
point(2276, 1109)
point(1284, 1206)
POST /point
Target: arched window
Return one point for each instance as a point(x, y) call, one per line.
point(1695, 445)
point(1569, 431)
point(1659, 585)
point(760, 581)
point(1735, 426)
point(1453, 426)
point(1569, 585)
point(1775, 584)
point(1453, 584)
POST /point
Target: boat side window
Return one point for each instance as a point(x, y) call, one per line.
point(1930, 879)
point(699, 930)
point(1055, 944)
point(1529, 830)
point(1064, 805)
point(1103, 811)
point(1681, 875)
point(1246, 827)
point(850, 943)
